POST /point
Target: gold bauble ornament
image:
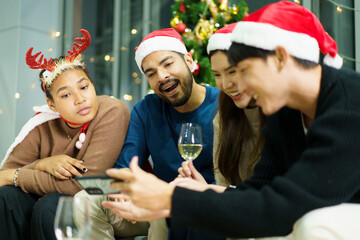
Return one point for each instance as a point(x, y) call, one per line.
point(175, 21)
point(234, 9)
point(203, 30)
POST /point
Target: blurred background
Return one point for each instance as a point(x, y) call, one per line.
point(116, 28)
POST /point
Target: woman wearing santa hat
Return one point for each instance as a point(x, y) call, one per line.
point(309, 169)
point(77, 133)
point(237, 126)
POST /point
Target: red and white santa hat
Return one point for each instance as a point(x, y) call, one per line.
point(165, 39)
point(291, 26)
point(220, 40)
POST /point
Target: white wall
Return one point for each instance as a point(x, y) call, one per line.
point(24, 24)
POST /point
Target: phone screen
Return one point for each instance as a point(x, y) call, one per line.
point(97, 185)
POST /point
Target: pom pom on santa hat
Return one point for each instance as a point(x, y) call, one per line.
point(220, 40)
point(291, 26)
point(160, 40)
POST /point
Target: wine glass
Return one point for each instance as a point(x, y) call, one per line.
point(190, 141)
point(71, 223)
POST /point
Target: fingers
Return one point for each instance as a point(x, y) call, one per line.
point(195, 173)
point(78, 167)
point(122, 210)
point(186, 169)
point(62, 174)
point(73, 171)
point(119, 196)
point(66, 169)
point(191, 167)
point(124, 174)
point(121, 174)
point(134, 166)
point(181, 173)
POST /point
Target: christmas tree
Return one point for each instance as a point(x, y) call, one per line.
point(196, 21)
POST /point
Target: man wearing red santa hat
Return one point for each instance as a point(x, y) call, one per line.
point(309, 171)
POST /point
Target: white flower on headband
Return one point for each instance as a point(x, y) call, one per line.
point(46, 74)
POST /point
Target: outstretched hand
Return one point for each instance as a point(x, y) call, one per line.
point(145, 190)
point(127, 210)
point(61, 166)
point(191, 179)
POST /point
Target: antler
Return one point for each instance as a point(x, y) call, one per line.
point(32, 63)
point(77, 48)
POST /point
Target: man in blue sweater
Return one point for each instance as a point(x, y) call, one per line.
point(155, 127)
point(156, 120)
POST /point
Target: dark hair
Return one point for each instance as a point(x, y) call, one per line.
point(234, 131)
point(47, 89)
point(239, 52)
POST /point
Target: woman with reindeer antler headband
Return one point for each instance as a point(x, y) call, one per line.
point(77, 133)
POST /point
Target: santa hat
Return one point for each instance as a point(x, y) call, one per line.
point(220, 40)
point(291, 26)
point(165, 39)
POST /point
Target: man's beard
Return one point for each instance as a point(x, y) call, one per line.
point(186, 88)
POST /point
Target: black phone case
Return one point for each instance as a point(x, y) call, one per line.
point(97, 184)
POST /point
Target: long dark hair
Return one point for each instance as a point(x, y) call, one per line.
point(234, 131)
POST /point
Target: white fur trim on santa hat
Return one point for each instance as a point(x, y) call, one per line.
point(45, 115)
point(335, 62)
point(268, 37)
point(159, 43)
point(219, 41)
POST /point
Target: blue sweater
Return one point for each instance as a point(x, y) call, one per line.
point(154, 130)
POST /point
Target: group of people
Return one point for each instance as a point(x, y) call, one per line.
point(279, 154)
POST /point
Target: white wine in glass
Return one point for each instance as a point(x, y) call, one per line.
point(190, 141)
point(71, 223)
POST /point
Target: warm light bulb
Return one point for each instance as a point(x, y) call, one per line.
point(112, 59)
point(1, 111)
point(55, 34)
point(127, 97)
point(137, 80)
point(297, 1)
point(339, 9)
point(134, 74)
point(33, 85)
point(107, 57)
point(92, 59)
point(133, 31)
point(17, 95)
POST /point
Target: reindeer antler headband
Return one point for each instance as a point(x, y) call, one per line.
point(53, 69)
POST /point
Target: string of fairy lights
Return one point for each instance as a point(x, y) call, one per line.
point(127, 97)
point(339, 10)
point(106, 58)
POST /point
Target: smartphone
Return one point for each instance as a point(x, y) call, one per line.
point(97, 184)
